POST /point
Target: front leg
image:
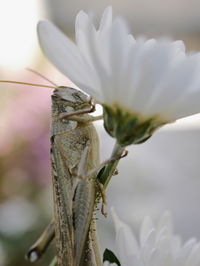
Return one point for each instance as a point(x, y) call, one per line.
point(80, 112)
point(75, 116)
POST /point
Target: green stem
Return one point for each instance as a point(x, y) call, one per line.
point(110, 168)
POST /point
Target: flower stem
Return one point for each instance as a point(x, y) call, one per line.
point(110, 168)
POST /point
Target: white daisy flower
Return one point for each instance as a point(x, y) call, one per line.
point(142, 84)
point(157, 245)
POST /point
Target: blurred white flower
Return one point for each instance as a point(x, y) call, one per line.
point(157, 245)
point(17, 216)
point(152, 82)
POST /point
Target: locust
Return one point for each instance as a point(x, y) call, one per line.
point(74, 151)
point(75, 165)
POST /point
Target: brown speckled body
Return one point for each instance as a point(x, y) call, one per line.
point(73, 197)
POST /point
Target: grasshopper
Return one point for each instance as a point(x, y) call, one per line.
point(74, 149)
point(74, 153)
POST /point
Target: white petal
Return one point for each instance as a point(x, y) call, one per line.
point(166, 221)
point(106, 19)
point(174, 85)
point(118, 50)
point(155, 258)
point(125, 241)
point(57, 47)
point(155, 62)
point(194, 257)
point(129, 79)
point(148, 245)
point(186, 250)
point(146, 228)
point(189, 100)
point(64, 54)
point(179, 45)
point(89, 45)
point(141, 52)
point(83, 26)
point(127, 252)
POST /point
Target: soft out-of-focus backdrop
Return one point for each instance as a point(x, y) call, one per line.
point(161, 174)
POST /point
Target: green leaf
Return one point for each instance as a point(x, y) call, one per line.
point(108, 255)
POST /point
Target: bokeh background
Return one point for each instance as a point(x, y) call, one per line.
point(161, 174)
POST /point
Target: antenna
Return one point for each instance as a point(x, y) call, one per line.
point(42, 76)
point(27, 83)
